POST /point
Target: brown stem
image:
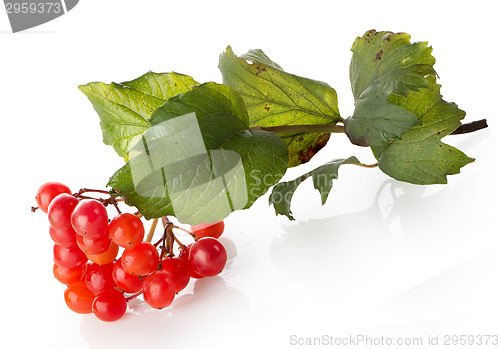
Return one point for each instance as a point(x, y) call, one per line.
point(168, 240)
point(157, 243)
point(86, 190)
point(181, 245)
point(186, 231)
point(470, 127)
point(138, 214)
point(115, 204)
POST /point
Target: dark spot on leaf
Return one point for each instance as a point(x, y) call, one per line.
point(439, 133)
point(175, 84)
point(361, 141)
point(259, 69)
point(300, 139)
point(306, 154)
point(388, 38)
point(378, 56)
point(267, 107)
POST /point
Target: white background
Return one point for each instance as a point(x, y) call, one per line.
point(381, 258)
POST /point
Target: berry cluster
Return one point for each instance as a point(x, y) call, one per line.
point(87, 245)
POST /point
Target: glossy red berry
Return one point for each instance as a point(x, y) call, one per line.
point(106, 257)
point(69, 257)
point(99, 278)
point(109, 305)
point(79, 298)
point(60, 210)
point(159, 290)
point(126, 230)
point(124, 281)
point(184, 255)
point(140, 260)
point(95, 246)
point(65, 237)
point(90, 219)
point(68, 276)
point(179, 271)
point(207, 256)
point(47, 192)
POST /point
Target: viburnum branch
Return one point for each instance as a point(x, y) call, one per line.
point(335, 128)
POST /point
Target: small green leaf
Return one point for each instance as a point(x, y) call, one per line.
point(199, 161)
point(385, 64)
point(323, 176)
point(420, 157)
point(125, 109)
point(276, 98)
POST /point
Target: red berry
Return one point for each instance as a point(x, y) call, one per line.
point(90, 219)
point(68, 276)
point(98, 278)
point(124, 281)
point(65, 237)
point(126, 230)
point(47, 192)
point(140, 260)
point(60, 210)
point(178, 270)
point(109, 305)
point(207, 256)
point(214, 229)
point(69, 257)
point(95, 246)
point(184, 255)
point(159, 290)
point(79, 298)
point(106, 257)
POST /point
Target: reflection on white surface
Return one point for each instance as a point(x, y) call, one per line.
point(193, 317)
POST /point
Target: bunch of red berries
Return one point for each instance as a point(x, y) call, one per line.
point(87, 244)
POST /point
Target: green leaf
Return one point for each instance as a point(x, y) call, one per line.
point(199, 161)
point(125, 109)
point(385, 64)
point(420, 157)
point(323, 176)
point(275, 98)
